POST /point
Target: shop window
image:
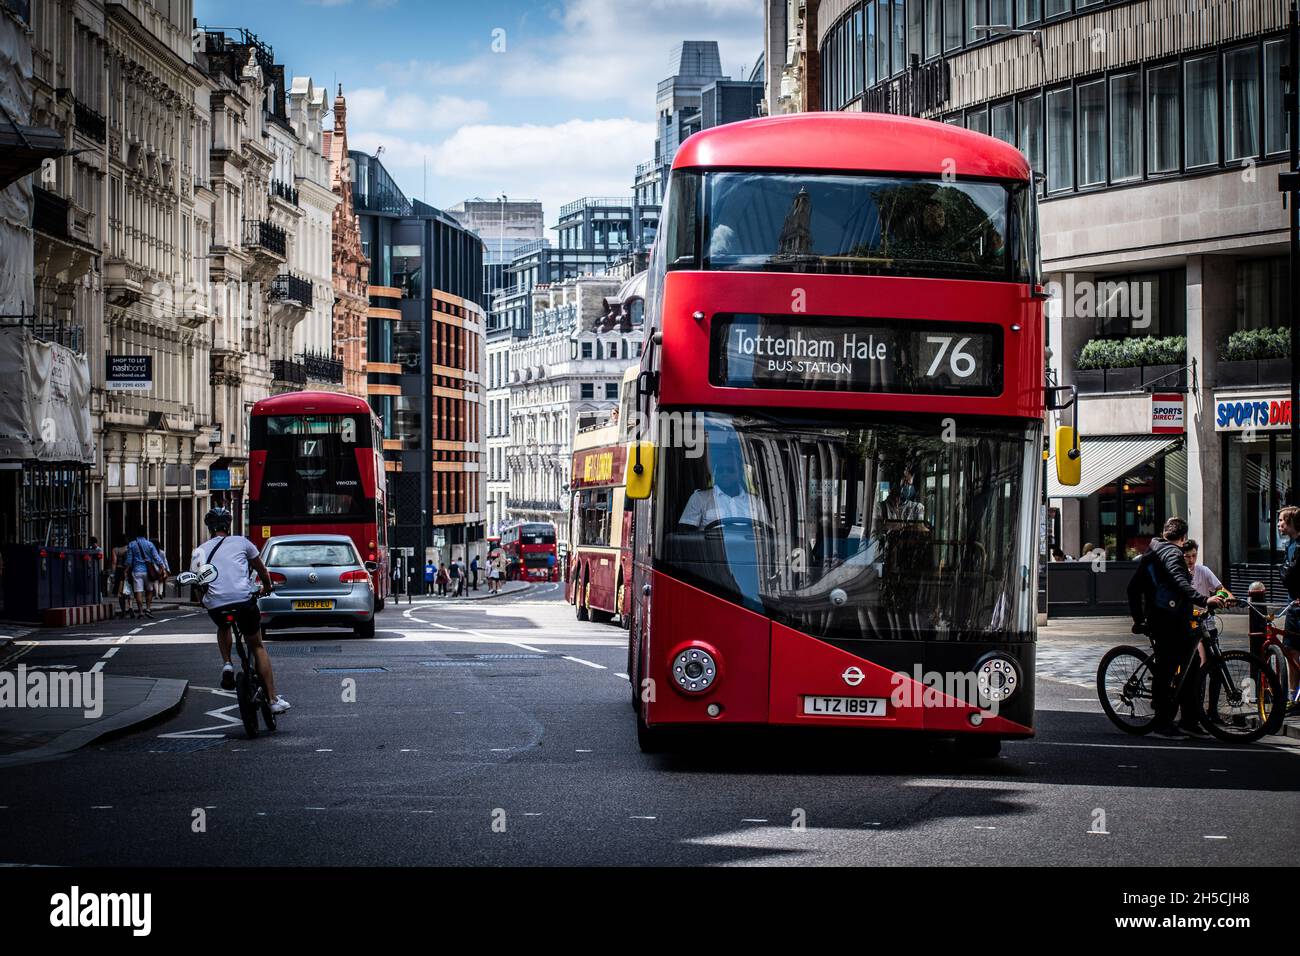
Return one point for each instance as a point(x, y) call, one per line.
point(1241, 103)
point(1156, 300)
point(1163, 100)
point(1201, 118)
point(1125, 127)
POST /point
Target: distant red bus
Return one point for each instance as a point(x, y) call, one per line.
point(529, 546)
point(316, 465)
point(841, 408)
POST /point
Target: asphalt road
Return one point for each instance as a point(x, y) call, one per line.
point(500, 732)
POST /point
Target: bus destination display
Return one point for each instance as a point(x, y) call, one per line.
point(837, 354)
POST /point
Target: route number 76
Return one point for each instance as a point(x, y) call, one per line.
point(960, 361)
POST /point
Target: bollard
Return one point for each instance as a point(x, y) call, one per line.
point(1258, 610)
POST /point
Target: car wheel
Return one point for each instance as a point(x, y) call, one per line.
point(366, 630)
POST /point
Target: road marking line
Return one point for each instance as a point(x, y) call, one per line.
point(985, 828)
point(324, 750)
point(526, 814)
point(99, 666)
point(753, 820)
point(1209, 837)
point(203, 732)
point(642, 818)
point(106, 807)
point(582, 751)
point(110, 652)
point(622, 675)
point(1169, 747)
point(579, 660)
point(313, 808)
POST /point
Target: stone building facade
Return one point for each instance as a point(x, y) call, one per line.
point(350, 268)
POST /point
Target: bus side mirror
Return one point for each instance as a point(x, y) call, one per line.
point(640, 470)
point(1069, 460)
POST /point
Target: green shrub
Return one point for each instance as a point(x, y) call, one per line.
point(1132, 352)
point(1246, 344)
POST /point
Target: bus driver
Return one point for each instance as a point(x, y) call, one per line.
point(726, 498)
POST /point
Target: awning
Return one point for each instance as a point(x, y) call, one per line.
point(23, 148)
point(1106, 458)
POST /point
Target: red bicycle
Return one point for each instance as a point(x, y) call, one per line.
point(1272, 651)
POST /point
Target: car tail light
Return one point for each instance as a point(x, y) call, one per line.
point(354, 577)
point(278, 578)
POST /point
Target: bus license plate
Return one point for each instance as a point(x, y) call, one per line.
point(313, 605)
point(844, 706)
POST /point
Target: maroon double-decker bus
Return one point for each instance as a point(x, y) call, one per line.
point(529, 547)
point(316, 466)
point(839, 436)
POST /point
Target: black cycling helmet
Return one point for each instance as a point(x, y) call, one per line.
point(218, 519)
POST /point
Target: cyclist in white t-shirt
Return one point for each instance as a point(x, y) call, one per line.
point(1204, 580)
point(233, 592)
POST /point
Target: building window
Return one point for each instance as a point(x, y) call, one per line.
point(1275, 57)
point(882, 41)
point(899, 32)
point(1162, 119)
point(1241, 102)
point(978, 120)
point(1029, 120)
point(1002, 123)
point(1263, 299)
point(1201, 93)
point(611, 391)
point(1125, 127)
point(1092, 133)
point(999, 13)
point(1056, 8)
point(1060, 140)
point(871, 43)
point(933, 28)
point(977, 15)
point(586, 350)
point(915, 24)
point(1157, 299)
point(952, 25)
point(856, 52)
point(588, 390)
point(1028, 11)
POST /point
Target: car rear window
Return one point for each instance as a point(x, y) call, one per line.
point(312, 554)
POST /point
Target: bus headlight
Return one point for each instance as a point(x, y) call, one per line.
point(997, 678)
point(694, 670)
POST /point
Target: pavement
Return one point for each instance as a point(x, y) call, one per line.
point(499, 732)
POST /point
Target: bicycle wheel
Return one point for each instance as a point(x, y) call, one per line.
point(1240, 698)
point(264, 705)
point(1124, 683)
point(1276, 661)
point(247, 709)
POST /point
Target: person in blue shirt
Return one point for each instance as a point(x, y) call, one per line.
point(142, 559)
point(1288, 528)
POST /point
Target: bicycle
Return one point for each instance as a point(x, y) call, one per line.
point(1231, 704)
point(1271, 649)
point(250, 690)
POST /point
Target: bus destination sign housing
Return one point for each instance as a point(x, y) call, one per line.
point(848, 354)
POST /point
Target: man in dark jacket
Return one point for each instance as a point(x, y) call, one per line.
point(1288, 528)
point(1161, 599)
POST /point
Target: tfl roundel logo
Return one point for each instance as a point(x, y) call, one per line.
point(853, 676)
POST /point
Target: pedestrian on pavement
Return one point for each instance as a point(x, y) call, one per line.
point(494, 575)
point(1288, 529)
point(454, 571)
point(1161, 601)
point(430, 575)
point(120, 588)
point(165, 571)
point(444, 578)
point(144, 565)
point(473, 573)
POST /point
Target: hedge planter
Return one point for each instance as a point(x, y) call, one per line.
point(1124, 379)
point(1248, 373)
point(1090, 380)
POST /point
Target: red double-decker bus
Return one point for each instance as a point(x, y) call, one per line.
point(838, 446)
point(529, 547)
point(316, 465)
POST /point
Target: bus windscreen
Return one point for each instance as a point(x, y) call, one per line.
point(311, 468)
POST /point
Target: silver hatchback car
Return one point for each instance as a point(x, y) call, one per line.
point(318, 580)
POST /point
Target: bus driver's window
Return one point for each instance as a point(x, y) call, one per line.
point(726, 496)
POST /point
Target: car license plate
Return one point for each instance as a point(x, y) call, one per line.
point(313, 605)
point(844, 706)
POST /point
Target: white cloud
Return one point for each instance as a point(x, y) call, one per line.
point(411, 111)
point(556, 163)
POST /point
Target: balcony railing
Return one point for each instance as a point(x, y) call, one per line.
point(322, 368)
point(50, 215)
point(260, 234)
point(575, 207)
point(90, 122)
point(60, 333)
point(286, 192)
point(291, 288)
point(294, 373)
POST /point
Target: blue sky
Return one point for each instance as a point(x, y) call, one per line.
point(564, 110)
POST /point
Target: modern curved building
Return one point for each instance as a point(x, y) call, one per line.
point(1157, 130)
